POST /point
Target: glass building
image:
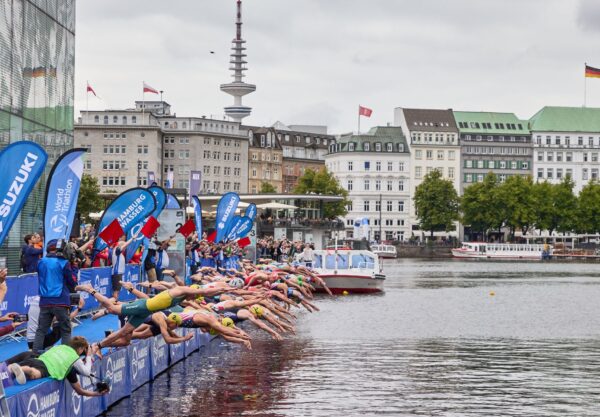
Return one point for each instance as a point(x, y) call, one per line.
point(37, 60)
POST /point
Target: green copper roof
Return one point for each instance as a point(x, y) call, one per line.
point(492, 123)
point(379, 134)
point(566, 119)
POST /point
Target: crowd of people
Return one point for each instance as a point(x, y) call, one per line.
point(220, 290)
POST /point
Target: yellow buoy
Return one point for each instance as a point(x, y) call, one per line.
point(492, 293)
point(345, 292)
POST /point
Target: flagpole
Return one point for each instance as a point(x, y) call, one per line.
point(359, 119)
point(143, 101)
point(87, 98)
point(585, 86)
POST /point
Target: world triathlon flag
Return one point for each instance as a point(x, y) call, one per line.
point(21, 165)
point(130, 208)
point(225, 214)
point(62, 191)
point(197, 215)
point(251, 211)
point(592, 72)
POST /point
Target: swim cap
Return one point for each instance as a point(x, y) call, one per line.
point(227, 322)
point(237, 283)
point(195, 286)
point(256, 310)
point(175, 318)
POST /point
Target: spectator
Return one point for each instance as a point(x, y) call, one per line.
point(118, 264)
point(30, 254)
point(32, 324)
point(162, 258)
point(59, 362)
point(56, 283)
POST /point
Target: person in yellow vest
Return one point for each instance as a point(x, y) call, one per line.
point(59, 362)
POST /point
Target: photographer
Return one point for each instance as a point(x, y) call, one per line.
point(16, 321)
point(56, 283)
point(53, 335)
point(59, 362)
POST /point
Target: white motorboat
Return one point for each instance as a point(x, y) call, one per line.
point(384, 251)
point(484, 250)
point(354, 271)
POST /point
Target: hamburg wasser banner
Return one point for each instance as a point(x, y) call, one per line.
point(161, 202)
point(197, 215)
point(129, 208)
point(161, 199)
point(62, 191)
point(225, 214)
point(21, 165)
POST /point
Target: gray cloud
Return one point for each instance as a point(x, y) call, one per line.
point(319, 59)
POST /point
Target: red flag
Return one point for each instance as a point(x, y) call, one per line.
point(150, 227)
point(364, 111)
point(91, 90)
point(211, 238)
point(188, 228)
point(148, 89)
point(242, 243)
point(111, 233)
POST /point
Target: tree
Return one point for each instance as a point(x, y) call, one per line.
point(436, 203)
point(323, 182)
point(555, 205)
point(588, 209)
point(480, 206)
point(267, 188)
point(89, 200)
point(516, 195)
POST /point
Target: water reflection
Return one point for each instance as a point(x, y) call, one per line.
point(435, 344)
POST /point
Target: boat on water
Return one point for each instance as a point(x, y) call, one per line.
point(484, 250)
point(354, 271)
point(385, 251)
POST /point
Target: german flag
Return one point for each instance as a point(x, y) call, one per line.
point(592, 72)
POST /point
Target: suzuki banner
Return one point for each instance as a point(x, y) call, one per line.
point(21, 165)
point(62, 191)
point(225, 214)
point(129, 208)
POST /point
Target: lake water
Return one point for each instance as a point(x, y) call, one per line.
point(448, 338)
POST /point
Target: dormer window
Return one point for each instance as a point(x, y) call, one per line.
point(351, 147)
point(400, 147)
point(367, 147)
point(378, 147)
point(389, 147)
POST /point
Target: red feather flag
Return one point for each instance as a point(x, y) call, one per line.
point(243, 242)
point(211, 238)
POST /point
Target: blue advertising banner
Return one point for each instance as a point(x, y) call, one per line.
point(161, 199)
point(99, 278)
point(78, 406)
point(197, 215)
point(225, 213)
point(251, 211)
point(177, 350)
point(21, 165)
point(159, 353)
point(129, 208)
point(161, 202)
point(139, 362)
point(172, 202)
point(62, 191)
point(21, 291)
point(132, 274)
point(43, 400)
point(116, 368)
point(191, 345)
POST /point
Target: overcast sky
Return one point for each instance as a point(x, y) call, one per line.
point(314, 61)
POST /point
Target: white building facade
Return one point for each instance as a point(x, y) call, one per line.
point(566, 142)
point(434, 145)
point(374, 168)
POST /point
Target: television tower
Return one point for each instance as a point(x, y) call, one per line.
point(238, 88)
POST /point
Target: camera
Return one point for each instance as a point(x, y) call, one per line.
point(103, 385)
point(20, 318)
point(75, 297)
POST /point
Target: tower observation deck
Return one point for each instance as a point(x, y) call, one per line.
point(238, 88)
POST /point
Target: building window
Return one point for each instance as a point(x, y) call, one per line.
point(418, 154)
point(550, 173)
point(367, 147)
point(440, 155)
point(377, 205)
point(540, 173)
point(389, 185)
point(401, 206)
point(451, 155)
point(349, 186)
point(389, 206)
point(96, 119)
point(105, 120)
point(350, 166)
point(401, 185)
point(401, 166)
point(366, 205)
point(451, 172)
point(378, 185)
point(378, 166)
point(418, 173)
point(569, 157)
point(559, 173)
point(367, 166)
point(367, 185)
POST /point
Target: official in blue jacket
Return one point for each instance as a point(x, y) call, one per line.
point(56, 283)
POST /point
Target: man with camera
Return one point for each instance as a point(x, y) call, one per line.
point(56, 283)
point(59, 362)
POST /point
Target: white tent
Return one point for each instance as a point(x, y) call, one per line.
point(276, 206)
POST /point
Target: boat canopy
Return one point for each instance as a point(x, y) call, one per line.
point(344, 260)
